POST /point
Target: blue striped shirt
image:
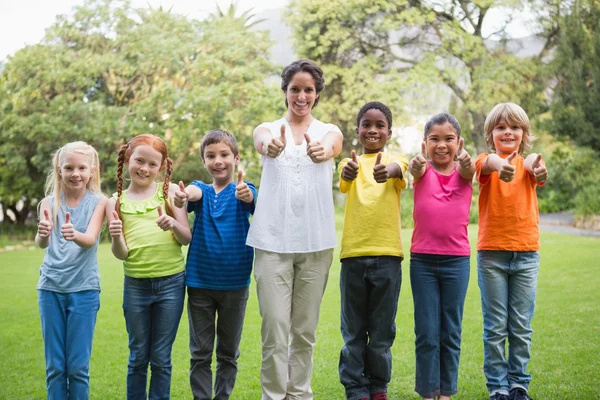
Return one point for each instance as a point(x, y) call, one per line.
point(218, 257)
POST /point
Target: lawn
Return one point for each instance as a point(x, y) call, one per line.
point(566, 340)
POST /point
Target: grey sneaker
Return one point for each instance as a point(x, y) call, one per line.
point(499, 396)
point(518, 394)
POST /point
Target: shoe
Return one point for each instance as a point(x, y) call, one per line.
point(499, 396)
point(518, 394)
point(379, 396)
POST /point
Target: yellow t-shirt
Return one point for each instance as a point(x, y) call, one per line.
point(372, 215)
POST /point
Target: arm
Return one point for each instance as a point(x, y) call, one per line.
point(495, 163)
point(42, 237)
point(88, 239)
point(181, 225)
point(115, 226)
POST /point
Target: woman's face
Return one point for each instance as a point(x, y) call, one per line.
point(301, 94)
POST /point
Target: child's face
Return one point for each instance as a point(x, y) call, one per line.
point(144, 164)
point(373, 131)
point(301, 94)
point(75, 171)
point(507, 137)
point(220, 162)
point(442, 144)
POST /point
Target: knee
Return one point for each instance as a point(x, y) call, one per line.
point(78, 371)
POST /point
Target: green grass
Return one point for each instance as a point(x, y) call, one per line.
point(566, 344)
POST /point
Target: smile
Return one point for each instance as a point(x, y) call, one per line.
point(372, 139)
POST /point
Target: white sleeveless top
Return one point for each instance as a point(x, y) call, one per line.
point(294, 210)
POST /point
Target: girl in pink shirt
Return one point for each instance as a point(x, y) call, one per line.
point(439, 254)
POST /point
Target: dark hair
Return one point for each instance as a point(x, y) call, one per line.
point(303, 66)
point(385, 110)
point(441, 119)
point(219, 136)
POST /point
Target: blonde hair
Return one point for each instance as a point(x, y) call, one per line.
point(510, 113)
point(54, 184)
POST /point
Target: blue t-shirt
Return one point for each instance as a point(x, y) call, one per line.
point(218, 257)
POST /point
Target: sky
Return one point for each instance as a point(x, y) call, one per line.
point(23, 22)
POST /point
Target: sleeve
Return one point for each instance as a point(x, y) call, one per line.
point(196, 205)
point(250, 207)
point(332, 128)
point(344, 185)
point(481, 179)
point(402, 162)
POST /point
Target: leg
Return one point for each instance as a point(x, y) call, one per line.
point(353, 290)
point(425, 283)
point(169, 296)
point(384, 278)
point(311, 271)
point(202, 309)
point(522, 285)
point(137, 298)
point(81, 320)
point(454, 281)
point(274, 275)
point(54, 332)
point(232, 309)
point(492, 267)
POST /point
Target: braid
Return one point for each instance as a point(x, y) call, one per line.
point(120, 162)
point(166, 184)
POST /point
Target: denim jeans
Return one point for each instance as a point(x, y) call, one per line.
point(152, 309)
point(226, 310)
point(370, 287)
point(439, 287)
point(68, 321)
point(508, 283)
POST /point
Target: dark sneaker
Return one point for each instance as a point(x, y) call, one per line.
point(379, 396)
point(499, 396)
point(518, 394)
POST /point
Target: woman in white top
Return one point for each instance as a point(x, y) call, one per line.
point(293, 232)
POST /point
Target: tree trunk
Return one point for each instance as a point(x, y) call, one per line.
point(478, 133)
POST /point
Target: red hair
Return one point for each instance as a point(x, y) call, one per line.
point(125, 152)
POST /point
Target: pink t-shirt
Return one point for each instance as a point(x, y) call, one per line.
point(441, 214)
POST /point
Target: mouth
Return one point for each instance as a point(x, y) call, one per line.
point(372, 139)
point(300, 104)
point(507, 140)
point(439, 153)
point(141, 176)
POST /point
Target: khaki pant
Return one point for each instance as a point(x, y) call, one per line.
point(290, 288)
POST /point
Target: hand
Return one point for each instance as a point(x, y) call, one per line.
point(463, 157)
point(115, 227)
point(380, 172)
point(419, 162)
point(507, 171)
point(242, 191)
point(67, 229)
point(350, 170)
point(164, 221)
point(315, 150)
point(45, 225)
point(276, 146)
point(181, 196)
point(539, 170)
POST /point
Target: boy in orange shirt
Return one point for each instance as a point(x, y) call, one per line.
point(507, 248)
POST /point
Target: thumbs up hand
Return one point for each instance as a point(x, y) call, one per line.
point(164, 221)
point(350, 170)
point(242, 191)
point(507, 170)
point(115, 227)
point(67, 229)
point(45, 225)
point(181, 196)
point(539, 170)
point(276, 145)
point(314, 149)
point(463, 157)
point(380, 172)
point(419, 162)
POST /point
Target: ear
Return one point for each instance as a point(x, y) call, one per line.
point(389, 134)
point(237, 159)
point(356, 129)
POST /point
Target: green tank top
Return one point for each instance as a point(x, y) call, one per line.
point(153, 253)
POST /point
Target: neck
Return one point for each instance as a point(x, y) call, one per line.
point(219, 185)
point(73, 195)
point(444, 169)
point(294, 119)
point(135, 188)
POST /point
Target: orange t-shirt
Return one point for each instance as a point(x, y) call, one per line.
point(508, 211)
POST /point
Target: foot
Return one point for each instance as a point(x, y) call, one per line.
point(518, 394)
point(379, 396)
point(499, 396)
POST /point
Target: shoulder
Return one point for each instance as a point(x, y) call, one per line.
point(326, 127)
point(269, 126)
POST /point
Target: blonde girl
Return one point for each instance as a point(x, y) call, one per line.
point(147, 234)
point(70, 221)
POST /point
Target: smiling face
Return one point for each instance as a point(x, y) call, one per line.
point(373, 131)
point(442, 144)
point(507, 137)
point(75, 171)
point(144, 164)
point(219, 160)
point(301, 94)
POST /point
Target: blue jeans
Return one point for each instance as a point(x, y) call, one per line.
point(439, 287)
point(370, 287)
point(152, 308)
point(508, 283)
point(68, 321)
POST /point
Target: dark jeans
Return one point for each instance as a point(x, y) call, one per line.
point(369, 287)
point(203, 306)
point(439, 286)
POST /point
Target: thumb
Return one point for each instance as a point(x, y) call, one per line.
point(181, 186)
point(68, 218)
point(46, 215)
point(511, 157)
point(307, 138)
point(282, 134)
point(537, 161)
point(159, 208)
point(240, 176)
point(424, 149)
point(461, 146)
point(378, 159)
point(354, 156)
point(115, 215)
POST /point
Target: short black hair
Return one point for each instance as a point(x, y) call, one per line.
point(378, 106)
point(441, 119)
point(219, 136)
point(308, 66)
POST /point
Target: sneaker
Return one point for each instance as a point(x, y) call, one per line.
point(379, 396)
point(499, 396)
point(518, 394)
